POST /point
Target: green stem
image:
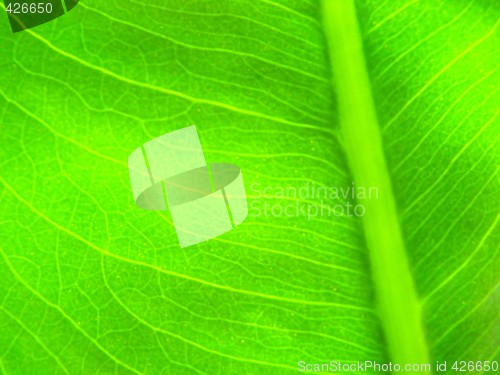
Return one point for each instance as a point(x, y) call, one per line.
point(398, 303)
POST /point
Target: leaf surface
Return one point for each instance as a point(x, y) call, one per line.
point(91, 284)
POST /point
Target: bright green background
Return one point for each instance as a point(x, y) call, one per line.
point(91, 284)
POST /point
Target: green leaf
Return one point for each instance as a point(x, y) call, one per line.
point(400, 96)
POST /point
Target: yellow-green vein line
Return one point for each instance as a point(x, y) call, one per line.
point(398, 304)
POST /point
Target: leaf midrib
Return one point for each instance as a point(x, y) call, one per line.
point(398, 304)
